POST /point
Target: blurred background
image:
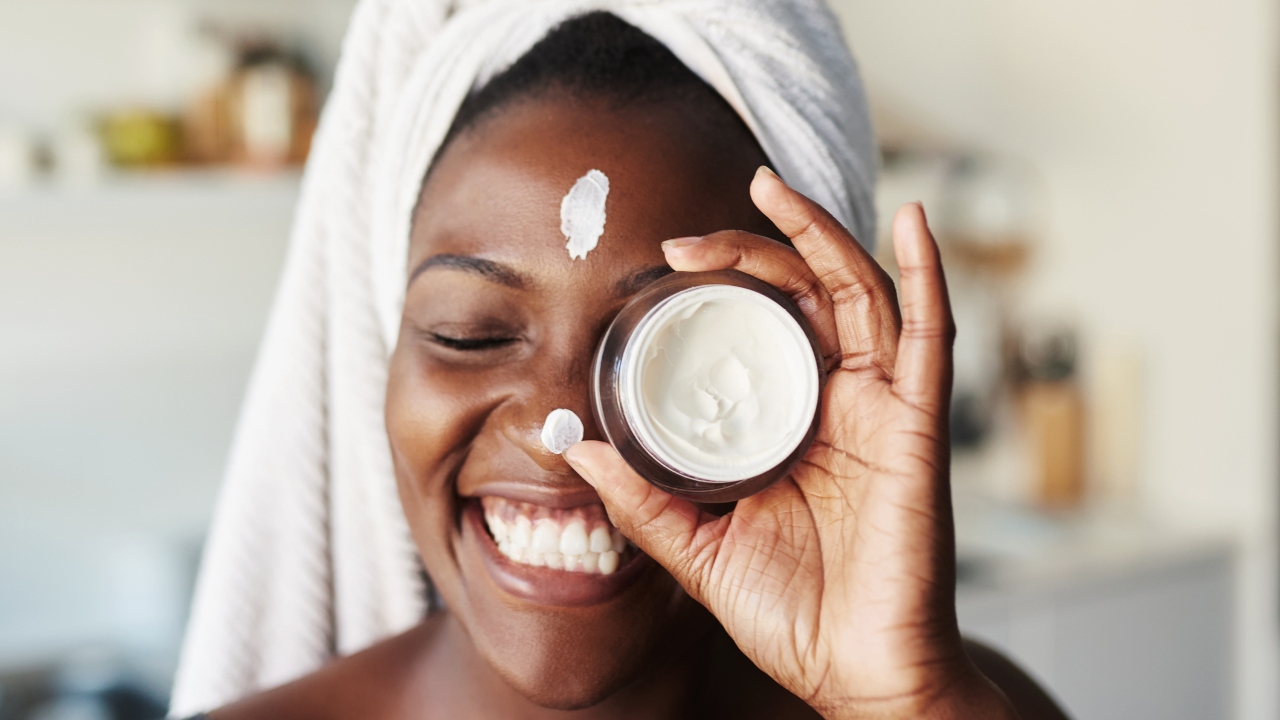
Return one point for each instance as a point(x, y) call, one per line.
point(1102, 176)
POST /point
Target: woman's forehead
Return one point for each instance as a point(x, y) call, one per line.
point(496, 191)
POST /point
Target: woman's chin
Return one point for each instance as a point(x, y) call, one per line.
point(564, 663)
point(574, 693)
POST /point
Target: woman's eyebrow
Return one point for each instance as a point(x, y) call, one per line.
point(488, 269)
point(629, 286)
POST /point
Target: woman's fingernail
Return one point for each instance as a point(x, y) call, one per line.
point(681, 241)
point(766, 170)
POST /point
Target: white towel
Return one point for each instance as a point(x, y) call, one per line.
point(309, 554)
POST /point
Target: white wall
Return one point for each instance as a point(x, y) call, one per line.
point(131, 314)
point(1153, 125)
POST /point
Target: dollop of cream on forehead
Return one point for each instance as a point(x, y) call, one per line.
point(582, 213)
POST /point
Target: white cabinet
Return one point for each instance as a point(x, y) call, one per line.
point(1143, 636)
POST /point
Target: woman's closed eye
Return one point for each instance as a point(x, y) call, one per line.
point(480, 340)
point(475, 343)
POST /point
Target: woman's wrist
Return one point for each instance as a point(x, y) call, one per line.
point(965, 695)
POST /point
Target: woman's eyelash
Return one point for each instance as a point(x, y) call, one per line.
point(481, 343)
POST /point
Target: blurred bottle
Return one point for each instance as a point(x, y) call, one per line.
point(1116, 386)
point(17, 158)
point(262, 114)
point(1054, 415)
point(141, 138)
point(992, 210)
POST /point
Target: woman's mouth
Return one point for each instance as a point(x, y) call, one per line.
point(579, 539)
point(565, 556)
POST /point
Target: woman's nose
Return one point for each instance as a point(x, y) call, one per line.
point(558, 381)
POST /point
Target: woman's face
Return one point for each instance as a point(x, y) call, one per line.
point(499, 328)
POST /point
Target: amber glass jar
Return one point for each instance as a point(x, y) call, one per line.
point(709, 385)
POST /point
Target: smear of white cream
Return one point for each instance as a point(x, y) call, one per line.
point(582, 213)
point(561, 431)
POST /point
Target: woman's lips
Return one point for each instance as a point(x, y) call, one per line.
point(545, 585)
point(579, 539)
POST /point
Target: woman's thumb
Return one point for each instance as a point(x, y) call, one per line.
point(665, 527)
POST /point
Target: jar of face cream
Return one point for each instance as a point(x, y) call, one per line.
point(708, 384)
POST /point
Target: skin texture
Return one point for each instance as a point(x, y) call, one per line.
point(836, 586)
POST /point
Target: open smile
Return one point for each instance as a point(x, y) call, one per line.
point(549, 555)
point(578, 539)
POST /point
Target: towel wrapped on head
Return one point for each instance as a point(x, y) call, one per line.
point(309, 554)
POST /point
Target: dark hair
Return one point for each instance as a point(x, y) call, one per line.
point(597, 56)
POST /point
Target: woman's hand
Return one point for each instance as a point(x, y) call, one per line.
point(838, 580)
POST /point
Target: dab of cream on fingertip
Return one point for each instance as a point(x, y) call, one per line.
point(561, 431)
point(582, 213)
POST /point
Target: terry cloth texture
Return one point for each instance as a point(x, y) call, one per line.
point(309, 555)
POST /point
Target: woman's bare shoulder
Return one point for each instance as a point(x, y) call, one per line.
point(1028, 697)
point(375, 683)
point(369, 684)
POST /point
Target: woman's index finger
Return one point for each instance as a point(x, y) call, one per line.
point(866, 310)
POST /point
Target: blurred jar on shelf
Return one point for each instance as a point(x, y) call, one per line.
point(137, 138)
point(1053, 414)
point(261, 115)
point(991, 211)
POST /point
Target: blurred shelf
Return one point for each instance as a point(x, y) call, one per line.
point(154, 185)
point(1005, 549)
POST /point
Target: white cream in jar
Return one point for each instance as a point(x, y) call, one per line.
point(707, 382)
point(720, 383)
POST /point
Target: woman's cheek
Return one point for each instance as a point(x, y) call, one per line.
point(422, 427)
point(421, 418)
point(424, 413)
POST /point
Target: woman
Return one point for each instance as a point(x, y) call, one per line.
point(829, 594)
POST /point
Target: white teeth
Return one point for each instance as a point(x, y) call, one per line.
point(584, 543)
point(546, 537)
point(600, 540)
point(573, 541)
point(608, 562)
point(522, 533)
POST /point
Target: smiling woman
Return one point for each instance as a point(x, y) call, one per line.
point(566, 582)
point(492, 343)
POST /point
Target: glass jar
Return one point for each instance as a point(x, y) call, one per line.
point(709, 385)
